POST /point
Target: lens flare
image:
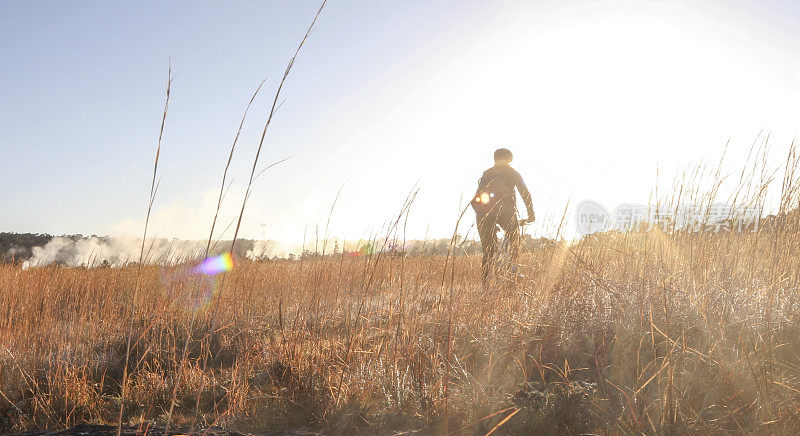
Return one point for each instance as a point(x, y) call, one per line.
point(215, 265)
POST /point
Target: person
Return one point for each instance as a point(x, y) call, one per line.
point(495, 205)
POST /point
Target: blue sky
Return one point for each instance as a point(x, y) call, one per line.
point(591, 96)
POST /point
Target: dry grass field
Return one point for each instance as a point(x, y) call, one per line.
point(655, 330)
point(648, 331)
point(616, 333)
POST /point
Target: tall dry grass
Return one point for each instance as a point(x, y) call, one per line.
point(648, 331)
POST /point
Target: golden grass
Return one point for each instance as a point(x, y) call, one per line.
point(617, 333)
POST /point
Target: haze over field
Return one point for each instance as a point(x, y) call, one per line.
point(592, 97)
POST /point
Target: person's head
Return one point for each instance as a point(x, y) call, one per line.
point(503, 156)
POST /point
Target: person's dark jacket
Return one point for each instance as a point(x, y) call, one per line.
point(499, 181)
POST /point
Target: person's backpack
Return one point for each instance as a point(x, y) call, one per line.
point(491, 191)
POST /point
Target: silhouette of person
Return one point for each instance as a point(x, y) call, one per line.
point(495, 205)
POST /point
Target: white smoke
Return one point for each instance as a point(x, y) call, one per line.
point(262, 250)
point(118, 251)
point(14, 252)
point(94, 251)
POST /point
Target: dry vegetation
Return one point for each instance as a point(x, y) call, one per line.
point(647, 331)
point(642, 332)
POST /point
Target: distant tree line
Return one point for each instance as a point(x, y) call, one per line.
point(17, 247)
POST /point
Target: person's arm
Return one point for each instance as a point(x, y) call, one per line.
point(480, 184)
point(526, 197)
